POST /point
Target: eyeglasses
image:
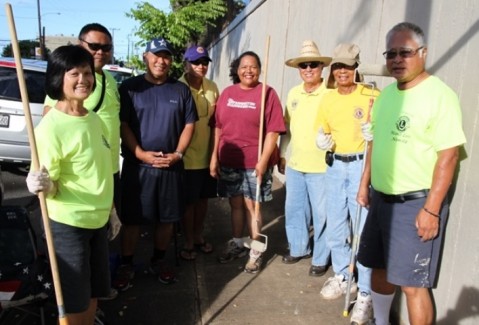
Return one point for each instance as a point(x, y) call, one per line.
point(98, 46)
point(338, 66)
point(200, 62)
point(405, 53)
point(312, 65)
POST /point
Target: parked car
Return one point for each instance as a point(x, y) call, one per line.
point(2, 188)
point(14, 145)
point(120, 73)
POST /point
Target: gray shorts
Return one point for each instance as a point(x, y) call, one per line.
point(389, 241)
point(237, 181)
point(151, 195)
point(83, 264)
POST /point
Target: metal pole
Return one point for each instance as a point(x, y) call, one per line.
point(44, 46)
point(128, 50)
point(40, 29)
point(113, 42)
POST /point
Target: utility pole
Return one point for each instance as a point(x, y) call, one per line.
point(113, 42)
point(40, 40)
point(128, 50)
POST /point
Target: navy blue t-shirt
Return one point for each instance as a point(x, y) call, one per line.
point(156, 114)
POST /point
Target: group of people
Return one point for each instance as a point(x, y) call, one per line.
point(348, 164)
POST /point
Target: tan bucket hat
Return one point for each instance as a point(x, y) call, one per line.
point(347, 54)
point(309, 53)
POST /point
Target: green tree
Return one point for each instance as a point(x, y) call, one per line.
point(188, 23)
point(27, 49)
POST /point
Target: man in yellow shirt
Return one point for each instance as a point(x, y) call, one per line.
point(305, 168)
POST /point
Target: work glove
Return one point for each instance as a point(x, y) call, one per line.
point(324, 141)
point(366, 131)
point(114, 225)
point(38, 181)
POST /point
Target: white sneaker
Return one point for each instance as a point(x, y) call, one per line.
point(363, 310)
point(336, 286)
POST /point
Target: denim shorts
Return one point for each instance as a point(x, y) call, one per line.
point(390, 241)
point(239, 181)
point(83, 264)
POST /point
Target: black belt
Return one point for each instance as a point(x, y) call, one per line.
point(348, 158)
point(401, 198)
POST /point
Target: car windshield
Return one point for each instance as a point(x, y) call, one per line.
point(9, 88)
point(120, 76)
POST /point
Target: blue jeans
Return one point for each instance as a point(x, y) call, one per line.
point(342, 180)
point(305, 199)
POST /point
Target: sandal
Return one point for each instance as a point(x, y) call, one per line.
point(204, 247)
point(188, 254)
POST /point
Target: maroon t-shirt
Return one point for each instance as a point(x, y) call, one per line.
point(238, 116)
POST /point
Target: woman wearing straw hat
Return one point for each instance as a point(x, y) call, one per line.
point(305, 167)
point(235, 160)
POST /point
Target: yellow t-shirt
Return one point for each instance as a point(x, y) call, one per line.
point(301, 116)
point(109, 112)
point(342, 115)
point(198, 154)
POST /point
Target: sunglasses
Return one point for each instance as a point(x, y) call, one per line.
point(338, 66)
point(98, 46)
point(200, 62)
point(312, 65)
point(405, 53)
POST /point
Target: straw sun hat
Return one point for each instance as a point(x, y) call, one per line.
point(309, 53)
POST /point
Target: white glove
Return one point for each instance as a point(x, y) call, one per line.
point(324, 141)
point(38, 181)
point(114, 226)
point(366, 131)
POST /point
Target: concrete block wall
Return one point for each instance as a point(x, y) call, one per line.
point(452, 32)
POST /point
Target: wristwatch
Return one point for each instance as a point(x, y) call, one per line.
point(179, 153)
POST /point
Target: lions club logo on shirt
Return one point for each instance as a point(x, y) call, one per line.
point(294, 104)
point(403, 123)
point(358, 113)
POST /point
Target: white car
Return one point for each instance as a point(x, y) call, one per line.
point(14, 145)
point(120, 73)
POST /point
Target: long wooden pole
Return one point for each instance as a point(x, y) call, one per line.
point(36, 165)
point(261, 136)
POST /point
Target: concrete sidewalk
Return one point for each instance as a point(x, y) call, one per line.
point(211, 293)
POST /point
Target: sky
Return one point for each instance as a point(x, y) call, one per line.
point(67, 17)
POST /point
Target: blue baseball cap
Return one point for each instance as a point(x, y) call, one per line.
point(157, 45)
point(195, 52)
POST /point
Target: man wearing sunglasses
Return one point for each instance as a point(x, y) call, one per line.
point(417, 131)
point(104, 100)
point(305, 167)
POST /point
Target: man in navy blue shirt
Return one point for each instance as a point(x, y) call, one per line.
point(157, 116)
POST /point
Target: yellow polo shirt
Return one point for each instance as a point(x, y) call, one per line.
point(301, 116)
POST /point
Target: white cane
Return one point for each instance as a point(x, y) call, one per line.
point(356, 235)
